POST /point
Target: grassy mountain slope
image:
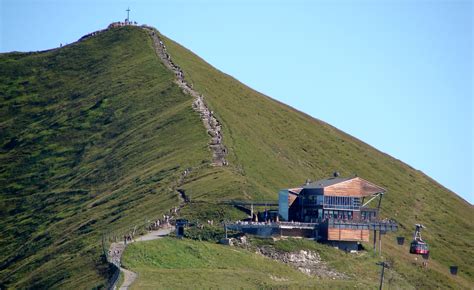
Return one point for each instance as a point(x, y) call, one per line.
point(170, 263)
point(274, 146)
point(95, 135)
point(93, 139)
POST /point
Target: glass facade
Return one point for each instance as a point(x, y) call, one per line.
point(338, 214)
point(341, 202)
point(313, 206)
point(283, 204)
point(368, 215)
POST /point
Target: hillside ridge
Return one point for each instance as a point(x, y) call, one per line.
point(97, 143)
point(212, 125)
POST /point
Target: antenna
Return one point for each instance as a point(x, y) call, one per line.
point(128, 14)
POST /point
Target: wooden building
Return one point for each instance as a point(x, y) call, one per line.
point(340, 206)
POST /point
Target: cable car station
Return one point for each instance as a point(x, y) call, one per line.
point(338, 211)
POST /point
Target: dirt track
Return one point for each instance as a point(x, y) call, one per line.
point(116, 250)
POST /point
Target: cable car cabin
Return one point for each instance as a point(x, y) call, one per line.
point(419, 248)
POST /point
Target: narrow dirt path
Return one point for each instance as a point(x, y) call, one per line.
point(129, 278)
point(212, 125)
point(116, 250)
point(219, 153)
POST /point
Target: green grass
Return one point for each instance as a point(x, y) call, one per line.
point(95, 135)
point(273, 146)
point(93, 139)
point(121, 279)
point(171, 263)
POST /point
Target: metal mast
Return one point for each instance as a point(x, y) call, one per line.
point(417, 235)
point(128, 14)
point(384, 265)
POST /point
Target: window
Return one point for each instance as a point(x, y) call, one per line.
point(340, 202)
point(319, 199)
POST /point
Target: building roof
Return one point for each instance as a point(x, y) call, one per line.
point(326, 182)
point(295, 190)
point(353, 186)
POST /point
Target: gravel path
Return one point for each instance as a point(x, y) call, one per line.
point(116, 250)
point(214, 130)
point(208, 117)
point(129, 278)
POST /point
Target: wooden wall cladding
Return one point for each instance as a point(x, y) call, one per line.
point(335, 234)
point(356, 187)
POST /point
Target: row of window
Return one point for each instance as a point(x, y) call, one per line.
point(343, 201)
point(314, 199)
point(338, 214)
point(310, 213)
point(368, 215)
point(334, 202)
point(328, 214)
point(352, 227)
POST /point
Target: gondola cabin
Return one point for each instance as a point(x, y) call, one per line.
point(419, 248)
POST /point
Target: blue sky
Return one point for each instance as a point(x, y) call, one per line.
point(395, 74)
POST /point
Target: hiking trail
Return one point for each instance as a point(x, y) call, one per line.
point(158, 229)
point(219, 153)
point(212, 125)
point(116, 250)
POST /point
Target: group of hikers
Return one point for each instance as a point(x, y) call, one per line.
point(111, 25)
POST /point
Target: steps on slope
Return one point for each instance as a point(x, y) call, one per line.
point(212, 125)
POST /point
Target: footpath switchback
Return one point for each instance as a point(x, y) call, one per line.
point(116, 250)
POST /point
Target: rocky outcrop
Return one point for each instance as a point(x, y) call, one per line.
point(306, 261)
